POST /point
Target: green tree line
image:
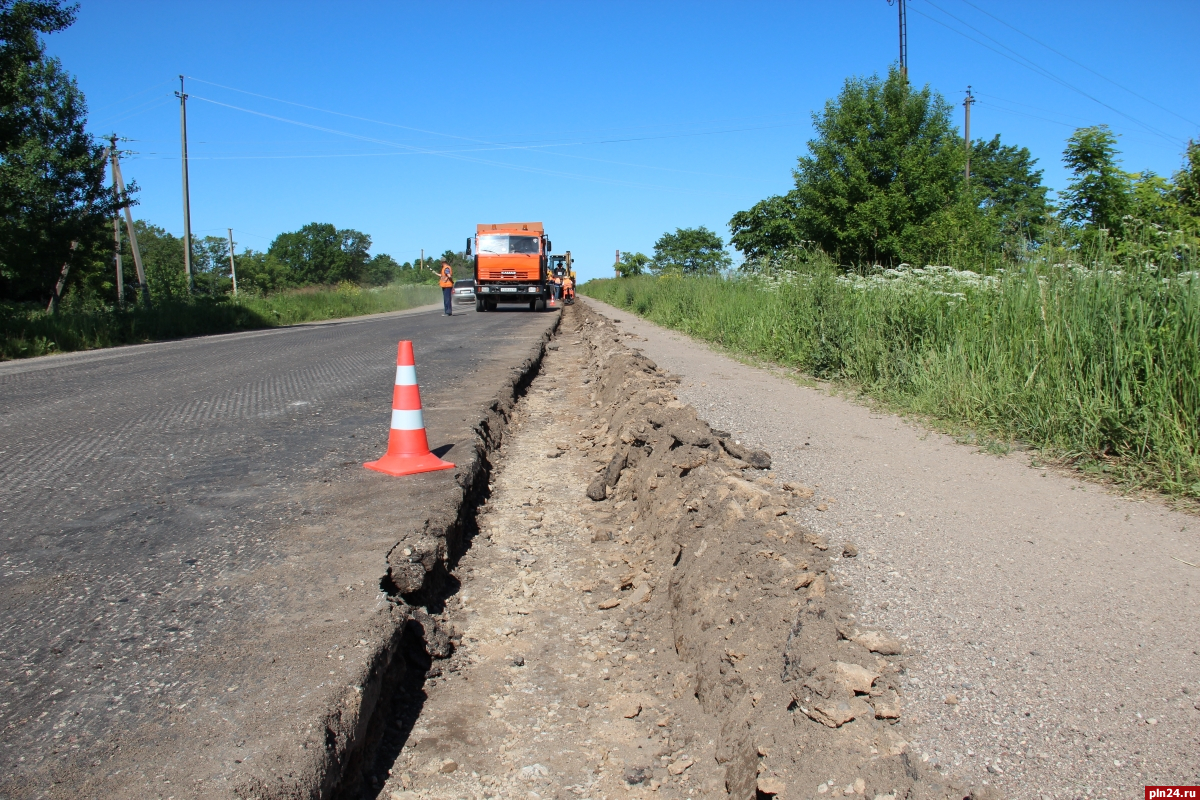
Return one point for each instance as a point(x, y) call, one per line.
point(56, 209)
point(318, 254)
point(884, 182)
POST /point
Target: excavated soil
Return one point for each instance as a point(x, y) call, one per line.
point(641, 615)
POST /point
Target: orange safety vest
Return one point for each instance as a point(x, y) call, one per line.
point(446, 280)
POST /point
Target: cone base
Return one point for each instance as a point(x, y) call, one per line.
point(408, 465)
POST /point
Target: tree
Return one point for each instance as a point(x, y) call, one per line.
point(632, 264)
point(162, 258)
point(1098, 196)
point(51, 171)
point(692, 251)
point(259, 273)
point(884, 165)
point(319, 253)
point(462, 265)
point(769, 227)
point(381, 270)
point(1011, 189)
point(1187, 180)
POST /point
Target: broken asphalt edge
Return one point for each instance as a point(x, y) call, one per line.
point(322, 762)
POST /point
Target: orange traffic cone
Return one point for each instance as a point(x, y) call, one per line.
point(408, 448)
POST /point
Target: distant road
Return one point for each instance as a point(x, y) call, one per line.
point(135, 481)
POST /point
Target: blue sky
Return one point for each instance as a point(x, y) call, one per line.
point(611, 122)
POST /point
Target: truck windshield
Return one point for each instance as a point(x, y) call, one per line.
point(497, 244)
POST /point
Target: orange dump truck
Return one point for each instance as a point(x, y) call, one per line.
point(511, 265)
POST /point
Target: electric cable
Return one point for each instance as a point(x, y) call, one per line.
point(1080, 64)
point(1034, 67)
point(539, 146)
point(457, 155)
point(456, 136)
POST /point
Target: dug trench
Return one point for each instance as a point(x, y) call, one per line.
point(630, 610)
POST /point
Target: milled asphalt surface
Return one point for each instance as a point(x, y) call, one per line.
point(1050, 612)
point(169, 557)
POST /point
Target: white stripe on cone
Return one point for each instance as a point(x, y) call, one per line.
point(407, 420)
point(406, 376)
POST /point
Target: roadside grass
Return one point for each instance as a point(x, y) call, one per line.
point(312, 304)
point(27, 331)
point(1098, 368)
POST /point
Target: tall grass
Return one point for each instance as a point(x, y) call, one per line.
point(347, 300)
point(1097, 365)
point(29, 331)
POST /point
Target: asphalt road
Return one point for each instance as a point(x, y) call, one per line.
point(143, 489)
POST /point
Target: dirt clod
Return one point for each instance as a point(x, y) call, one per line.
point(770, 786)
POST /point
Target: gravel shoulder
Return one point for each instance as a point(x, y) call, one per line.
point(1057, 636)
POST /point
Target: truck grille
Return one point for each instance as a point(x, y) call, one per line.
point(509, 275)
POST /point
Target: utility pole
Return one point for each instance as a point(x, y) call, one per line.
point(617, 265)
point(62, 281)
point(967, 132)
point(117, 228)
point(119, 185)
point(903, 37)
point(232, 267)
point(187, 206)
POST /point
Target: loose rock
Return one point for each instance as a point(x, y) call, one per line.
point(770, 786)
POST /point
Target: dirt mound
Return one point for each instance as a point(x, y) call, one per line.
point(798, 698)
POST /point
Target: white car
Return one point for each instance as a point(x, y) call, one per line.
point(464, 292)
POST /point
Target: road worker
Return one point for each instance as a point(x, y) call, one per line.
point(446, 281)
point(568, 289)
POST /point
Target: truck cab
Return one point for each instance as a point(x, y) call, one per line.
point(511, 264)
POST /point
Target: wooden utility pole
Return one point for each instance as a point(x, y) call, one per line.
point(62, 282)
point(617, 265)
point(130, 231)
point(120, 272)
point(967, 133)
point(117, 228)
point(232, 266)
point(903, 36)
point(187, 206)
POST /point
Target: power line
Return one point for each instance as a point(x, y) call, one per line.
point(1080, 64)
point(414, 149)
point(135, 94)
point(1034, 67)
point(537, 146)
point(120, 116)
point(468, 138)
point(452, 154)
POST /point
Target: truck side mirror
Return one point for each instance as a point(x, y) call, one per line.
point(468, 251)
point(549, 247)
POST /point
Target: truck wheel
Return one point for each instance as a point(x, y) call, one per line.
point(533, 305)
point(479, 304)
point(539, 304)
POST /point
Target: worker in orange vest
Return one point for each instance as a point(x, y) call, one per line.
point(446, 281)
point(568, 289)
point(556, 285)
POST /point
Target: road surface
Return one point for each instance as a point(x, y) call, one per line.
point(164, 532)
